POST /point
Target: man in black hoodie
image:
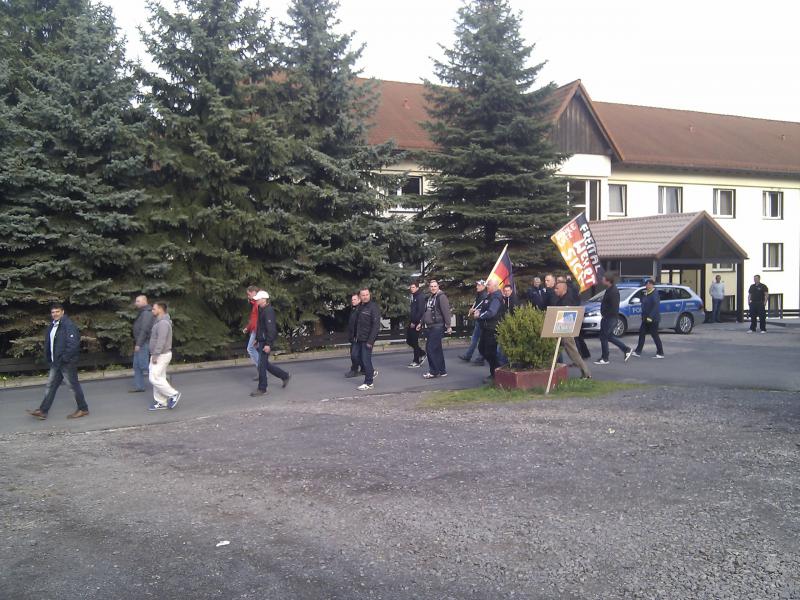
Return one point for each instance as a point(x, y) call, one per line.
point(368, 326)
point(355, 361)
point(609, 311)
point(416, 311)
point(62, 344)
point(266, 334)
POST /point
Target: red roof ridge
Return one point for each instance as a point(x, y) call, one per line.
point(699, 112)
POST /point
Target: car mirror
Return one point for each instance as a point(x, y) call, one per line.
point(635, 301)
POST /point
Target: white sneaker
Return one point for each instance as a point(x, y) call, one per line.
point(659, 356)
point(636, 354)
point(749, 331)
point(601, 362)
point(414, 365)
point(762, 331)
point(365, 386)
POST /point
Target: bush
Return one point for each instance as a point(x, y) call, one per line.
point(519, 335)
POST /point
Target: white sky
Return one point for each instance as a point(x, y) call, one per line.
point(736, 56)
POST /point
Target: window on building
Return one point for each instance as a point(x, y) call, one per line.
point(728, 304)
point(722, 267)
point(725, 203)
point(670, 199)
point(773, 257)
point(583, 196)
point(775, 306)
point(413, 185)
point(617, 199)
point(773, 205)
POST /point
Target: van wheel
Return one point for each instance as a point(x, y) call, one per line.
point(621, 327)
point(685, 324)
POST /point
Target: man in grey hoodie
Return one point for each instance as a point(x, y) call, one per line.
point(164, 395)
point(142, 327)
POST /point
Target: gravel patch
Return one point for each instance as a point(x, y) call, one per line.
point(661, 492)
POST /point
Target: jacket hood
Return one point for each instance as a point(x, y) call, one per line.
point(164, 317)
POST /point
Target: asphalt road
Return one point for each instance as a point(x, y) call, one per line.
point(714, 355)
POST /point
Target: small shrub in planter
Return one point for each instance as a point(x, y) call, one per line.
point(529, 355)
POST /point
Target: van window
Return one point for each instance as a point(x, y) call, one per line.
point(666, 293)
point(682, 294)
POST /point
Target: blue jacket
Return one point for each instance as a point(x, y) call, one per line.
point(651, 306)
point(491, 309)
point(66, 345)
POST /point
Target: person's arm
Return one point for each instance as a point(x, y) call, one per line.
point(749, 296)
point(157, 340)
point(146, 325)
point(491, 310)
point(72, 344)
point(766, 295)
point(447, 317)
point(271, 329)
point(375, 325)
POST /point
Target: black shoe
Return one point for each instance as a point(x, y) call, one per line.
point(258, 393)
point(465, 358)
point(351, 374)
point(286, 380)
point(134, 391)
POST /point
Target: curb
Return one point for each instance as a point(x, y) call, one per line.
point(383, 348)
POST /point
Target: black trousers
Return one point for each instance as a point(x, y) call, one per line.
point(652, 329)
point(264, 367)
point(488, 348)
point(583, 349)
point(758, 312)
point(412, 339)
point(355, 359)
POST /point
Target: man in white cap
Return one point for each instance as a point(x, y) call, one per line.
point(266, 334)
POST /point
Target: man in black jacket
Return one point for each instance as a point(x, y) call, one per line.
point(142, 327)
point(355, 361)
point(62, 344)
point(489, 313)
point(548, 293)
point(535, 294)
point(368, 326)
point(609, 313)
point(480, 294)
point(437, 320)
point(651, 319)
point(266, 334)
point(416, 311)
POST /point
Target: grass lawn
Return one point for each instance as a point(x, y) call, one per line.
point(572, 388)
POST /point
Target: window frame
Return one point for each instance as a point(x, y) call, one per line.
point(767, 194)
point(717, 194)
point(765, 256)
point(624, 189)
point(718, 268)
point(662, 190)
point(775, 305)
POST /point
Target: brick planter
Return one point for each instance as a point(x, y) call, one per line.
point(529, 379)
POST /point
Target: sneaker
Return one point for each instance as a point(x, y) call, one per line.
point(763, 331)
point(257, 393)
point(659, 356)
point(601, 362)
point(414, 365)
point(157, 406)
point(636, 354)
point(465, 358)
point(365, 386)
point(428, 376)
point(628, 354)
point(443, 375)
point(173, 402)
point(351, 374)
point(286, 380)
point(749, 331)
point(586, 376)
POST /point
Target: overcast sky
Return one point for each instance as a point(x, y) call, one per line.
point(735, 56)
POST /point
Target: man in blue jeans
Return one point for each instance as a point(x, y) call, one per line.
point(62, 344)
point(609, 313)
point(142, 327)
point(480, 295)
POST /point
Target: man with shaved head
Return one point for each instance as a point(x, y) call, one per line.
point(142, 327)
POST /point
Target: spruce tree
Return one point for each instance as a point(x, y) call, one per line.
point(217, 154)
point(345, 236)
point(70, 167)
point(495, 181)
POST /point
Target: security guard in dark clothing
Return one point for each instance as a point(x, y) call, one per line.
point(489, 313)
point(651, 318)
point(757, 298)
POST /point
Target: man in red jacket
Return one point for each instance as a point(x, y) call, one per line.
point(251, 326)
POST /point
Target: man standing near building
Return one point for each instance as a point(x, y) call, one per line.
point(562, 294)
point(416, 312)
point(368, 326)
point(250, 329)
point(489, 314)
point(548, 293)
point(142, 327)
point(62, 345)
point(164, 395)
point(266, 334)
point(609, 313)
point(757, 299)
point(717, 293)
point(651, 318)
point(480, 294)
point(437, 320)
point(355, 361)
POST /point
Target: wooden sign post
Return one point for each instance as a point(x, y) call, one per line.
point(561, 321)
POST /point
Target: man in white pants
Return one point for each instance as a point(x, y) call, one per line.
point(164, 395)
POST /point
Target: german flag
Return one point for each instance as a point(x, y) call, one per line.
point(502, 271)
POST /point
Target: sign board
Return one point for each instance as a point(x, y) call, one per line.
point(562, 321)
